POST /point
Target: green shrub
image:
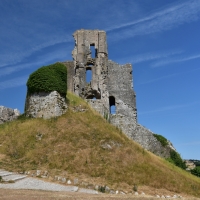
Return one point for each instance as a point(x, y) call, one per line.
point(135, 188)
point(197, 162)
point(161, 139)
point(22, 118)
point(196, 171)
point(48, 78)
point(176, 159)
point(102, 189)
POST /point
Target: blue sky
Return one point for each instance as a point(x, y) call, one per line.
point(159, 37)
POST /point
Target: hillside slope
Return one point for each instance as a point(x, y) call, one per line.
point(83, 144)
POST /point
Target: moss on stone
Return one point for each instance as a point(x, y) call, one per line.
point(161, 139)
point(48, 78)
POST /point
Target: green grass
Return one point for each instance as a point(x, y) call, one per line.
point(161, 139)
point(75, 143)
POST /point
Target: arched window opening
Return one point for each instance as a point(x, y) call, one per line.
point(75, 70)
point(112, 105)
point(89, 96)
point(93, 51)
point(89, 74)
point(93, 94)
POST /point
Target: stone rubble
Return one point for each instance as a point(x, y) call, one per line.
point(8, 114)
point(19, 181)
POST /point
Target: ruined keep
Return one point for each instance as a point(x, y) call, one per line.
point(111, 85)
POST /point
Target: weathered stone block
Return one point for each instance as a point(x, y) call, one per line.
point(45, 105)
point(8, 114)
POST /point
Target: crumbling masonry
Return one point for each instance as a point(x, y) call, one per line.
point(111, 85)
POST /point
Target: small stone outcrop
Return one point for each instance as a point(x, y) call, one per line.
point(8, 114)
point(146, 139)
point(45, 105)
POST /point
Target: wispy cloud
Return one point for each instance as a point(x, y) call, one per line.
point(175, 60)
point(158, 79)
point(165, 19)
point(168, 108)
point(150, 56)
point(14, 58)
point(13, 82)
point(55, 55)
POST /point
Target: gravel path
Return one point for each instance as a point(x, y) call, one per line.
point(28, 183)
point(35, 184)
point(33, 188)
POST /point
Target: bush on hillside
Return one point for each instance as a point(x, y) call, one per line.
point(161, 139)
point(48, 78)
point(176, 159)
point(196, 171)
point(197, 162)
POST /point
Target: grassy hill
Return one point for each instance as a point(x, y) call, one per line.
point(84, 145)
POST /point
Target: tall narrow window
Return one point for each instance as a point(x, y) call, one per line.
point(89, 74)
point(93, 51)
point(112, 105)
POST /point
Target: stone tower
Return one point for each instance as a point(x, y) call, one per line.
point(111, 84)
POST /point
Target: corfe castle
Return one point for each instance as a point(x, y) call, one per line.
point(111, 84)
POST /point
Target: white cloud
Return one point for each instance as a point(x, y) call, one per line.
point(175, 60)
point(13, 82)
point(168, 108)
point(160, 21)
point(158, 79)
point(58, 55)
point(150, 56)
point(14, 58)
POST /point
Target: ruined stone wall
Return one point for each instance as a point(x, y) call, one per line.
point(8, 114)
point(99, 107)
point(109, 79)
point(111, 84)
point(45, 105)
point(120, 86)
point(84, 60)
point(145, 138)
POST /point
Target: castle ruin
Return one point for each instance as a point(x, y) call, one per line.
point(111, 85)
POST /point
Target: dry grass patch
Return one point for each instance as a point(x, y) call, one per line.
point(83, 144)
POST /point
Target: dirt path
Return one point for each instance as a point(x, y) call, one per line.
point(9, 194)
